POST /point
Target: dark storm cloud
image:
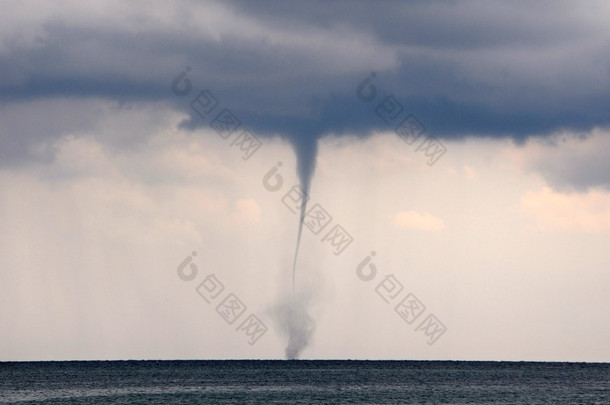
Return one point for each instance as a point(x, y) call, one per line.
point(435, 24)
point(468, 67)
point(513, 69)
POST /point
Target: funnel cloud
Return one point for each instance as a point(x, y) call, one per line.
point(306, 150)
point(292, 315)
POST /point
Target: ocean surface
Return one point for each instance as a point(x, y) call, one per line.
point(303, 382)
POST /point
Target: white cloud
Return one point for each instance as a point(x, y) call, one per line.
point(469, 172)
point(419, 221)
point(589, 212)
point(246, 210)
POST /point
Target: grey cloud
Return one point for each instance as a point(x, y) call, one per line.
point(531, 60)
point(573, 162)
point(478, 68)
point(467, 25)
point(29, 129)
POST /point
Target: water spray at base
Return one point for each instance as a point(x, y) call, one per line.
point(295, 323)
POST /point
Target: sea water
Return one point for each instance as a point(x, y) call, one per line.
point(303, 382)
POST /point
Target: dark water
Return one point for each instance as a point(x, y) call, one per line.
point(303, 382)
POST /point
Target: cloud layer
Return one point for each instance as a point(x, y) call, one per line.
point(493, 69)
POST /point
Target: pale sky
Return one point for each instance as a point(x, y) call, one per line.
point(109, 179)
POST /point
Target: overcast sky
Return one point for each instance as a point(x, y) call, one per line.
point(465, 143)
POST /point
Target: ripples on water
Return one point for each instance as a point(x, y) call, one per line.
point(304, 382)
